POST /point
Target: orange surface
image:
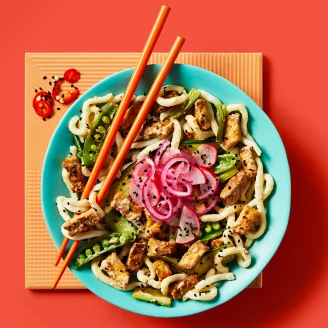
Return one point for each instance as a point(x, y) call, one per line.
point(292, 36)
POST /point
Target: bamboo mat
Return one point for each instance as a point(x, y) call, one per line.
point(244, 70)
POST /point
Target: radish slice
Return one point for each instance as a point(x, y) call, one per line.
point(205, 155)
point(171, 152)
point(160, 151)
point(208, 189)
point(143, 168)
point(168, 186)
point(189, 157)
point(157, 215)
point(153, 193)
point(136, 190)
point(212, 204)
point(189, 226)
point(195, 176)
point(174, 220)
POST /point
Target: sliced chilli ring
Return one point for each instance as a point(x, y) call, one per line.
point(66, 98)
point(72, 75)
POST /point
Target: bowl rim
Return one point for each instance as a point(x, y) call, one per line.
point(287, 191)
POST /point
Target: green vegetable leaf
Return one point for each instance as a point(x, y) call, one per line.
point(228, 174)
point(226, 162)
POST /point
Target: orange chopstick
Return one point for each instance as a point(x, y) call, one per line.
point(134, 130)
point(125, 103)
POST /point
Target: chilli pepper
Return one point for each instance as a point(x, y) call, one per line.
point(66, 98)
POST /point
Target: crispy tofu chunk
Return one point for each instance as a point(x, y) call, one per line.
point(73, 166)
point(124, 205)
point(162, 269)
point(160, 129)
point(234, 189)
point(199, 205)
point(130, 116)
point(232, 132)
point(179, 288)
point(246, 219)
point(217, 242)
point(135, 257)
point(152, 227)
point(161, 248)
point(191, 258)
point(202, 115)
point(82, 222)
point(247, 158)
point(116, 270)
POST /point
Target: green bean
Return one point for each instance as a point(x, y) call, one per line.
point(78, 144)
point(96, 136)
point(85, 253)
point(221, 116)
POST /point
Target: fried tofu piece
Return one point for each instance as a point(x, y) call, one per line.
point(162, 269)
point(248, 216)
point(232, 131)
point(73, 166)
point(215, 243)
point(124, 205)
point(202, 114)
point(130, 116)
point(135, 257)
point(152, 227)
point(116, 270)
point(160, 129)
point(157, 247)
point(179, 288)
point(82, 222)
point(199, 205)
point(247, 158)
point(234, 189)
point(191, 258)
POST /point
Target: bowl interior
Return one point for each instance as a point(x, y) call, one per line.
point(274, 159)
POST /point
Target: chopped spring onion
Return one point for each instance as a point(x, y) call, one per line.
point(183, 108)
point(221, 114)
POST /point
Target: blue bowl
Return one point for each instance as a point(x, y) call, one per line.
point(274, 159)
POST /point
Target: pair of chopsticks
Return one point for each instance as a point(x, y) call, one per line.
point(118, 118)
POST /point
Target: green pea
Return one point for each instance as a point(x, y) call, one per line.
point(97, 137)
point(208, 228)
point(88, 252)
point(82, 257)
point(96, 248)
point(91, 156)
point(105, 243)
point(94, 148)
point(114, 240)
point(100, 129)
point(216, 226)
point(105, 119)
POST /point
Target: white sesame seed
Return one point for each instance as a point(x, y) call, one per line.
point(38, 98)
point(56, 78)
point(57, 97)
point(61, 101)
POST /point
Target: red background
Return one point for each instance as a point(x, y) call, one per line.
point(292, 35)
